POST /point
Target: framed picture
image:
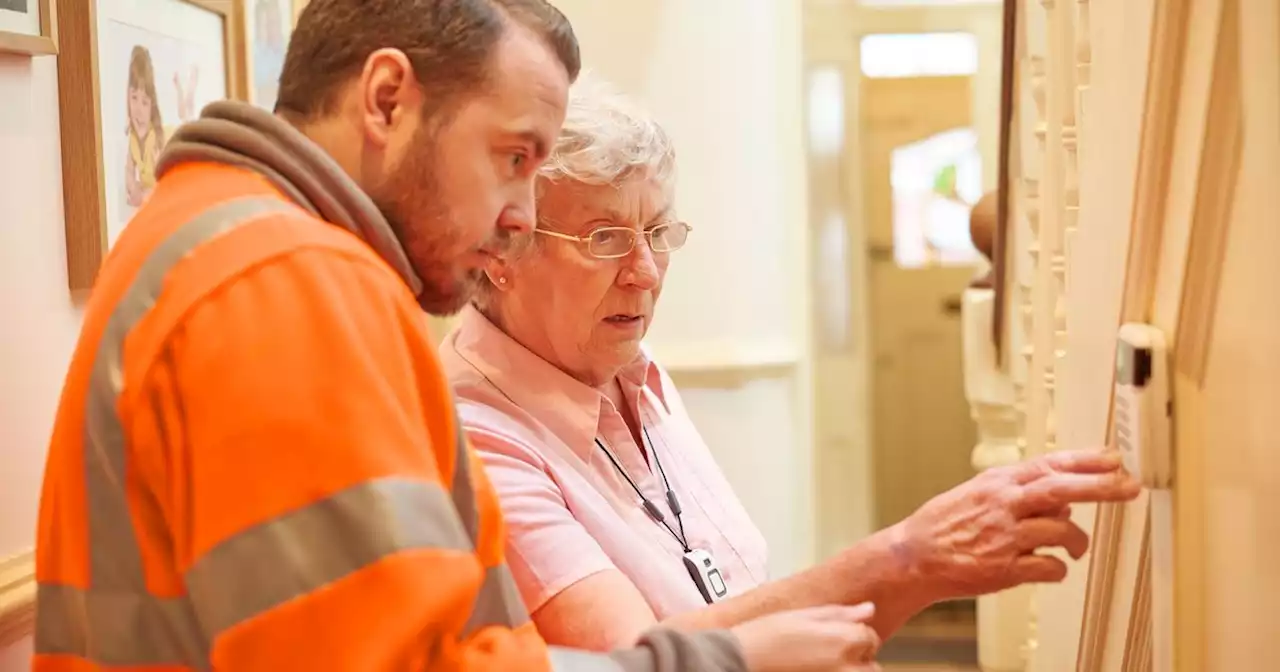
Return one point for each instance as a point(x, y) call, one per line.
point(28, 27)
point(268, 26)
point(130, 72)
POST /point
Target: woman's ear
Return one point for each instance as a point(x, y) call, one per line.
point(499, 273)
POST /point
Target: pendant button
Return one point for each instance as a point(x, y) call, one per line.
point(706, 575)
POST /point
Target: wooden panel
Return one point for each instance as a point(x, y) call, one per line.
point(1182, 183)
point(1119, 590)
point(1209, 148)
point(1116, 132)
point(1230, 547)
point(1178, 143)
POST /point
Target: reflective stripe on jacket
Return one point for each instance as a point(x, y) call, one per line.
point(256, 464)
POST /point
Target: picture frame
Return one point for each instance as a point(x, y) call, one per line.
point(29, 27)
point(130, 72)
point(268, 26)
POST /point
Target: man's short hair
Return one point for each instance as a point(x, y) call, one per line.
point(449, 42)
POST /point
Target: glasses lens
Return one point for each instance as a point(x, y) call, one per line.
point(612, 242)
point(669, 237)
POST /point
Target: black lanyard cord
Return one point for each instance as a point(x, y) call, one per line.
point(671, 494)
point(649, 507)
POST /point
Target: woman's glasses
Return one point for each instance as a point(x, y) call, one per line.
point(612, 242)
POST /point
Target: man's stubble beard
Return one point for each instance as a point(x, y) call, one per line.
point(412, 194)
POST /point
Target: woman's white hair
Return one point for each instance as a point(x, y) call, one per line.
point(606, 139)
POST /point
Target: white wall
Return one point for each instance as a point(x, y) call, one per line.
point(724, 78)
point(723, 75)
point(41, 323)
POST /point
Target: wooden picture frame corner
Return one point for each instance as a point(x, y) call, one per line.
point(43, 44)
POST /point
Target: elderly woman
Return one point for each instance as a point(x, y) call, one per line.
point(618, 515)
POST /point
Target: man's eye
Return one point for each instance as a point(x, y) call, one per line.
point(518, 160)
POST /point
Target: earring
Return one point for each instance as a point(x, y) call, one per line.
point(502, 280)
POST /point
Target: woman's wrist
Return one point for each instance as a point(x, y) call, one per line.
point(884, 569)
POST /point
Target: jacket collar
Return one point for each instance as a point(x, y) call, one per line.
point(240, 134)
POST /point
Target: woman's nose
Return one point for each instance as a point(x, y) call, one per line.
point(641, 269)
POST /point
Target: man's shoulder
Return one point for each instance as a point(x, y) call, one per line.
point(260, 265)
point(263, 238)
point(200, 207)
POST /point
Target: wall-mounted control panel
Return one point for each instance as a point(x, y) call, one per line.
point(1143, 417)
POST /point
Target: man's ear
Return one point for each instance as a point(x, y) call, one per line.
point(389, 94)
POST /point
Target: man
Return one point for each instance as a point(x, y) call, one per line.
point(256, 463)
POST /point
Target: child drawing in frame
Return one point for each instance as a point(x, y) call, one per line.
point(145, 130)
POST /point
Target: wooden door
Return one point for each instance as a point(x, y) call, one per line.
point(1151, 149)
point(918, 148)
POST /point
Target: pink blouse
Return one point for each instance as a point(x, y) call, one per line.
point(569, 512)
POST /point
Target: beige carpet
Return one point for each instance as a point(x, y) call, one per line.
point(943, 639)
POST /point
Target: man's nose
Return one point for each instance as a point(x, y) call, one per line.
point(521, 214)
point(516, 220)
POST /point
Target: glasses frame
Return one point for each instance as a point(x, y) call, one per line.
point(647, 234)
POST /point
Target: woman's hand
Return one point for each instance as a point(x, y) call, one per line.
point(819, 639)
point(984, 535)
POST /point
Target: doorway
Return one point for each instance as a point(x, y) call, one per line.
point(922, 173)
point(908, 86)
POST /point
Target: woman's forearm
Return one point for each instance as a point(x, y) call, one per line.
point(870, 571)
point(605, 610)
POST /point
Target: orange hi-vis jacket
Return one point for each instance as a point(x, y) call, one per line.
point(256, 464)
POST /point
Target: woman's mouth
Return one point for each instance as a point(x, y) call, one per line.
point(625, 321)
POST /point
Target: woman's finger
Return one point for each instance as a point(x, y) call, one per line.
point(1036, 533)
